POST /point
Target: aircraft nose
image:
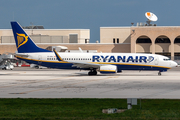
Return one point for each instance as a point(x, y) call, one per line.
point(174, 64)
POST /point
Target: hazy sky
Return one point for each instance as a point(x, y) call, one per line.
point(87, 14)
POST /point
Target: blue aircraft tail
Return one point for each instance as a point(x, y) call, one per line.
point(24, 43)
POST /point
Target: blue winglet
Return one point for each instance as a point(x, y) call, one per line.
point(57, 55)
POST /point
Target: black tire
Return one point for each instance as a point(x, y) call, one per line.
point(37, 67)
point(159, 73)
point(92, 73)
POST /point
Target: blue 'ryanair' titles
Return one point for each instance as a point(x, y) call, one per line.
point(133, 59)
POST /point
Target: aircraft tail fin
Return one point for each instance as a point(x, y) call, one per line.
point(24, 43)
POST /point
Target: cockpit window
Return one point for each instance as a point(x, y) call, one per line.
point(166, 59)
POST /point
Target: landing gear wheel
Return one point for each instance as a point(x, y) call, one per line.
point(92, 72)
point(4, 68)
point(159, 73)
point(37, 67)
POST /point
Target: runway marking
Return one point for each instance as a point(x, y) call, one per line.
point(64, 86)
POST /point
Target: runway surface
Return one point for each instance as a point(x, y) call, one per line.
point(55, 83)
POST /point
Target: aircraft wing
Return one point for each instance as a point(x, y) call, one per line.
point(85, 65)
point(22, 55)
point(79, 64)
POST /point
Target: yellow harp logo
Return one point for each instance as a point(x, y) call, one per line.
point(21, 39)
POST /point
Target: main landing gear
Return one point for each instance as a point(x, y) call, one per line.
point(159, 73)
point(92, 72)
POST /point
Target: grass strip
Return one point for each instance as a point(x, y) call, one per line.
point(87, 109)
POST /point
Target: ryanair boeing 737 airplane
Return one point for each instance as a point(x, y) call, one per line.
point(94, 62)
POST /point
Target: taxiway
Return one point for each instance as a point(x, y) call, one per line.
point(55, 83)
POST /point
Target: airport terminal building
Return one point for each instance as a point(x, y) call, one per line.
point(163, 40)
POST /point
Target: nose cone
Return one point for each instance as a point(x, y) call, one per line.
point(173, 64)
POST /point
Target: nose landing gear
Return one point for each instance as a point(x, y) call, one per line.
point(159, 73)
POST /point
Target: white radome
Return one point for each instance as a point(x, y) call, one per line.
point(151, 16)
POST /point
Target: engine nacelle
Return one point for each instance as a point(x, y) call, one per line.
point(108, 69)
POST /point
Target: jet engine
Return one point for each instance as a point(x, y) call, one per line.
point(108, 69)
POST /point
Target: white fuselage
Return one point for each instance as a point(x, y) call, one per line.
point(124, 61)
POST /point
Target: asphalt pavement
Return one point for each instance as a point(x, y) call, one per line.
point(56, 83)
